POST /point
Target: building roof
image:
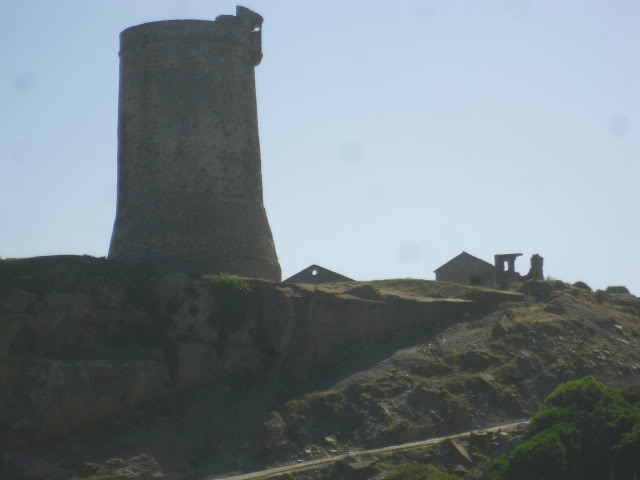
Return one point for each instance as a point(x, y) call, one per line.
point(317, 274)
point(506, 256)
point(462, 255)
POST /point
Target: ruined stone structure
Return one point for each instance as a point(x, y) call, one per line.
point(505, 276)
point(536, 271)
point(189, 174)
point(470, 270)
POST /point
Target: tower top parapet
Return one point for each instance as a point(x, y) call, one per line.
point(244, 29)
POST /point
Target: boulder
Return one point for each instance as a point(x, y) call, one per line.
point(537, 289)
point(459, 449)
point(565, 305)
point(617, 289)
point(502, 328)
point(275, 433)
point(582, 286)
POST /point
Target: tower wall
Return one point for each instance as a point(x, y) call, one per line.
point(189, 174)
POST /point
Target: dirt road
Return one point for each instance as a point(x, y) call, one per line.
point(313, 464)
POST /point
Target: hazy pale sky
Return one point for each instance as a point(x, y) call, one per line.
point(394, 134)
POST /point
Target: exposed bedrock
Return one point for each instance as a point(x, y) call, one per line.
point(81, 341)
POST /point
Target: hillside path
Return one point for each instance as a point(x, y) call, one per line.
point(313, 464)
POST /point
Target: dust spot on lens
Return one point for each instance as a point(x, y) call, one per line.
point(619, 126)
point(424, 14)
point(25, 82)
point(350, 152)
point(20, 152)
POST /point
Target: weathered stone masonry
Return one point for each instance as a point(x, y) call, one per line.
point(189, 173)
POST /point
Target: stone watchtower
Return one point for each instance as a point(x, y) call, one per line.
point(189, 175)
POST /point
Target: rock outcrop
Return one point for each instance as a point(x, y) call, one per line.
point(83, 339)
point(230, 374)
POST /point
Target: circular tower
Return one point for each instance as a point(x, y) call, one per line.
point(189, 175)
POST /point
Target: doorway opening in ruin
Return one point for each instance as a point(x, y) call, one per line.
point(475, 280)
point(25, 343)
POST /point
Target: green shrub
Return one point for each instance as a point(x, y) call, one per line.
point(581, 285)
point(545, 455)
point(584, 430)
point(617, 289)
point(498, 468)
point(229, 284)
point(626, 454)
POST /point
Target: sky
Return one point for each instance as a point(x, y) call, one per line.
point(394, 135)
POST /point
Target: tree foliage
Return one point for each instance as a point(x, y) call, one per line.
point(584, 430)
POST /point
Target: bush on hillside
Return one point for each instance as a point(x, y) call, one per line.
point(539, 290)
point(581, 285)
point(617, 289)
point(584, 430)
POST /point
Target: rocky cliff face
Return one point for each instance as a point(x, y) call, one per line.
point(215, 373)
point(84, 339)
point(492, 369)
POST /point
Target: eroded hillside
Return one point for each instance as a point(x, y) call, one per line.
point(192, 376)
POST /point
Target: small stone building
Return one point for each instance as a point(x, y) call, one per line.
point(466, 269)
point(317, 274)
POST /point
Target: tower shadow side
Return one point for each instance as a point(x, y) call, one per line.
point(189, 173)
